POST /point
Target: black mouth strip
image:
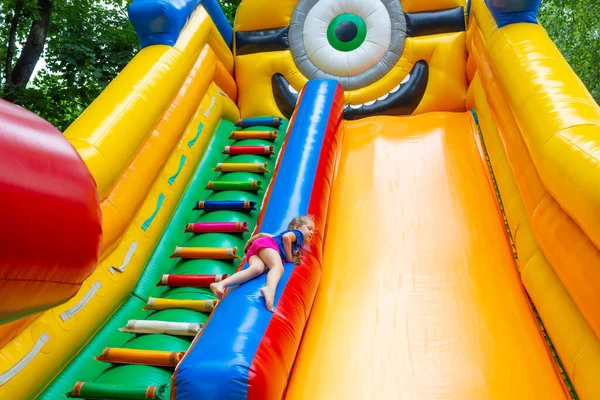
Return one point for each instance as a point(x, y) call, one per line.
point(418, 24)
point(403, 102)
point(284, 98)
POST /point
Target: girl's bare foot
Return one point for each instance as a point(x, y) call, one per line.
point(217, 289)
point(269, 297)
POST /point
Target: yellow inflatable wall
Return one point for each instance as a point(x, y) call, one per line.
point(444, 53)
point(538, 121)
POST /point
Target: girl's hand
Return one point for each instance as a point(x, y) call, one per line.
point(296, 258)
point(253, 238)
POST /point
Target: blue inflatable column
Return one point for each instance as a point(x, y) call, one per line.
point(161, 21)
point(245, 351)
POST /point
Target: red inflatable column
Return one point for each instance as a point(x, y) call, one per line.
point(50, 222)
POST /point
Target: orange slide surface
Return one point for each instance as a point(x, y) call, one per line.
point(420, 296)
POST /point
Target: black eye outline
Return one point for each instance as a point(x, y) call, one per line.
point(423, 23)
point(428, 23)
point(262, 41)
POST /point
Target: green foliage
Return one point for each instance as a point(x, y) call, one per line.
point(574, 25)
point(89, 42)
point(230, 6)
point(88, 49)
point(28, 13)
point(60, 106)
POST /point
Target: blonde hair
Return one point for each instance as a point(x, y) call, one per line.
point(297, 222)
point(300, 221)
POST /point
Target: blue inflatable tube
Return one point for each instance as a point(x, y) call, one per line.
point(259, 121)
point(219, 364)
point(507, 12)
point(161, 21)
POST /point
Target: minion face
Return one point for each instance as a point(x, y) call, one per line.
point(389, 61)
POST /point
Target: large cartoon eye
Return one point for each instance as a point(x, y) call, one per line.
point(355, 42)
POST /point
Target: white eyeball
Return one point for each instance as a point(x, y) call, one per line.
point(354, 41)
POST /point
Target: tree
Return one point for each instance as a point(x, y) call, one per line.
point(12, 38)
point(38, 14)
point(88, 48)
point(574, 25)
point(34, 45)
point(230, 7)
point(86, 43)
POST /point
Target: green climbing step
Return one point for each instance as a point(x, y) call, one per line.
point(84, 368)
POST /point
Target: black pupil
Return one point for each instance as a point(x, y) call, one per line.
point(346, 31)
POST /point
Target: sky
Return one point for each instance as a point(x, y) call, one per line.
point(41, 64)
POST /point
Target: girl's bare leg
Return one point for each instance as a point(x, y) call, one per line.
point(257, 267)
point(272, 260)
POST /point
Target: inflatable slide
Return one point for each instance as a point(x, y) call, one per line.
point(446, 151)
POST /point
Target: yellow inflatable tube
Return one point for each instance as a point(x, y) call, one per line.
point(45, 346)
point(560, 127)
point(125, 198)
point(575, 342)
point(557, 120)
point(112, 129)
point(523, 194)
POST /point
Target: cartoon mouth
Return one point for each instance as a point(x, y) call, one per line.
point(401, 100)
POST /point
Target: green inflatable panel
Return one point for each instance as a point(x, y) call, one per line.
point(251, 185)
point(84, 368)
point(100, 391)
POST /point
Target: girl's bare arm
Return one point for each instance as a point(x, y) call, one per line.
point(288, 239)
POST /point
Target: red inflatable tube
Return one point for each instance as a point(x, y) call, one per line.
point(217, 227)
point(190, 280)
point(290, 319)
point(257, 150)
point(43, 180)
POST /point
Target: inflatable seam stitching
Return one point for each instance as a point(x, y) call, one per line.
point(541, 326)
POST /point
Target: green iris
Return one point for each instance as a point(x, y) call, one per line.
point(347, 32)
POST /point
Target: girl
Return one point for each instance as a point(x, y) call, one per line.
point(270, 252)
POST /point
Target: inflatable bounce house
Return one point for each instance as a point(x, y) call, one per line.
point(446, 151)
